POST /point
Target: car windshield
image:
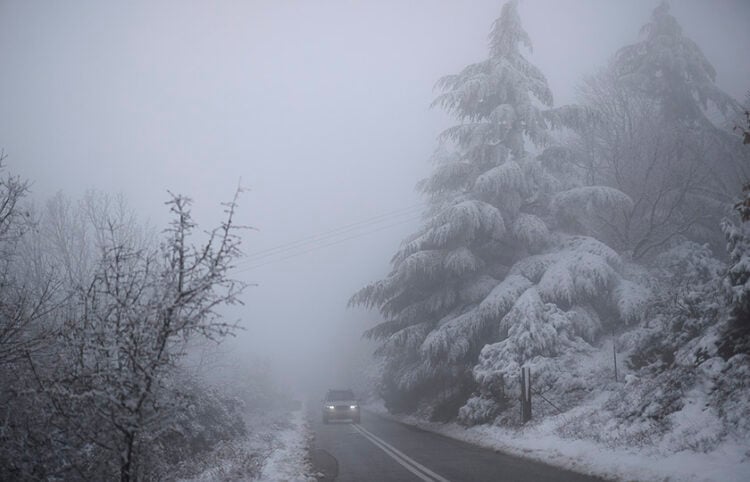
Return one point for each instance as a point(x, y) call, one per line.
point(340, 395)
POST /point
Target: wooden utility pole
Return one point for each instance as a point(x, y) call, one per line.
point(614, 351)
point(525, 394)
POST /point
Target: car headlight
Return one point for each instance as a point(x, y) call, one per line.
point(330, 407)
point(353, 407)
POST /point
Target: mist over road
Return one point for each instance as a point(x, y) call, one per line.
point(382, 449)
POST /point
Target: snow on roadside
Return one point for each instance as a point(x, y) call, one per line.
point(729, 462)
point(275, 450)
point(289, 460)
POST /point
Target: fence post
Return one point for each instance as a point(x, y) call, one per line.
point(614, 350)
point(525, 394)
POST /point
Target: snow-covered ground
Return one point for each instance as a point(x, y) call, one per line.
point(275, 450)
point(289, 459)
point(588, 439)
point(730, 462)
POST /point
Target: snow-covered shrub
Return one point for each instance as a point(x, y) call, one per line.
point(687, 263)
point(730, 394)
point(479, 410)
point(487, 403)
point(634, 415)
point(738, 275)
point(689, 302)
point(691, 406)
point(687, 390)
point(206, 419)
point(92, 399)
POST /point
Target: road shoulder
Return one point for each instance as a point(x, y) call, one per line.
point(537, 444)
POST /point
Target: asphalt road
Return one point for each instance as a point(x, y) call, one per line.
point(379, 449)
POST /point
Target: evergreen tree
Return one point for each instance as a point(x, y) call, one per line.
point(671, 68)
point(737, 280)
point(485, 282)
point(664, 171)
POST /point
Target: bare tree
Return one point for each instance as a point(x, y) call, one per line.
point(23, 301)
point(28, 297)
point(126, 329)
point(622, 141)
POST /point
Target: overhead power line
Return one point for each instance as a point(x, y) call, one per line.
point(254, 257)
point(325, 245)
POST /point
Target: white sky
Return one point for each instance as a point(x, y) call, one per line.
point(320, 107)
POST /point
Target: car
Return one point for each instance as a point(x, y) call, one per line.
point(340, 405)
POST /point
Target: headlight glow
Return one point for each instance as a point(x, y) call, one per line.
point(330, 407)
point(353, 407)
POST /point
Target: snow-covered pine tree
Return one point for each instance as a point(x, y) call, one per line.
point(484, 280)
point(737, 280)
point(473, 231)
point(652, 166)
point(670, 67)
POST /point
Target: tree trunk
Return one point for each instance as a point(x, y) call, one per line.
point(126, 464)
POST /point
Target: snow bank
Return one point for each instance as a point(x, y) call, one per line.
point(289, 459)
point(275, 450)
point(688, 442)
point(729, 462)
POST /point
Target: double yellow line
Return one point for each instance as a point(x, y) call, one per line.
point(404, 460)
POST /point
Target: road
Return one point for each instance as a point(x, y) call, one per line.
point(380, 449)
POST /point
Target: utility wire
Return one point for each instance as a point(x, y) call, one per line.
point(321, 246)
point(348, 227)
point(333, 233)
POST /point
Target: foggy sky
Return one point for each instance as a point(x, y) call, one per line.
point(320, 107)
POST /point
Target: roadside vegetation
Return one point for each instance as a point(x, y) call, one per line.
point(97, 315)
point(601, 244)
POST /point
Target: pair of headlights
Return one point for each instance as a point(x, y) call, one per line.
point(351, 407)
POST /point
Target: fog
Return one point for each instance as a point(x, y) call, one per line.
point(319, 108)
